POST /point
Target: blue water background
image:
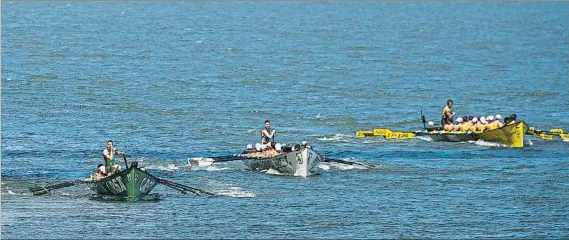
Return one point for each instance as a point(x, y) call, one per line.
point(170, 81)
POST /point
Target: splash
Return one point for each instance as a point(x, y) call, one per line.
point(235, 192)
point(324, 167)
point(271, 171)
point(200, 162)
point(487, 144)
point(428, 139)
point(204, 164)
point(343, 167)
point(212, 168)
point(170, 167)
point(337, 138)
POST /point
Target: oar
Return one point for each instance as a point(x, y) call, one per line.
point(46, 189)
point(548, 135)
point(204, 162)
point(327, 159)
point(183, 188)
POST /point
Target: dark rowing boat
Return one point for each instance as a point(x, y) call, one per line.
point(131, 184)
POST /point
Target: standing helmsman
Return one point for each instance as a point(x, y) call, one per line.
point(447, 114)
point(109, 157)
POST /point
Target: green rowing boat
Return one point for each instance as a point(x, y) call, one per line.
point(130, 184)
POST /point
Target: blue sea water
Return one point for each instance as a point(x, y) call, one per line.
point(171, 81)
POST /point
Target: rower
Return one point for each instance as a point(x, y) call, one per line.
point(101, 172)
point(467, 124)
point(458, 125)
point(513, 119)
point(481, 126)
point(473, 126)
point(498, 118)
point(492, 124)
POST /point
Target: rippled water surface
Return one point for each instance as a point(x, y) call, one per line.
point(176, 80)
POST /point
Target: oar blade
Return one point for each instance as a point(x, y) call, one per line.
point(557, 131)
point(381, 132)
point(399, 135)
point(546, 136)
point(46, 189)
point(363, 134)
point(38, 190)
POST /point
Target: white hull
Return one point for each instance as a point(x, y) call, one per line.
point(299, 163)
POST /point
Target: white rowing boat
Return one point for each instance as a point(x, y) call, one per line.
point(301, 162)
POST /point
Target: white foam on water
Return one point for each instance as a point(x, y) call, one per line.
point(212, 168)
point(235, 192)
point(273, 172)
point(324, 167)
point(338, 138)
point(344, 167)
point(487, 144)
point(530, 142)
point(205, 164)
point(200, 162)
point(170, 167)
point(428, 139)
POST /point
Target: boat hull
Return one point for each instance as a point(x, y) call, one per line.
point(509, 135)
point(299, 163)
point(130, 184)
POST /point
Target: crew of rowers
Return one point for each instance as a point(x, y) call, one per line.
point(268, 147)
point(474, 124)
point(111, 166)
point(470, 123)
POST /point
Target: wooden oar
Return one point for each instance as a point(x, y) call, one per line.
point(327, 159)
point(46, 189)
point(183, 188)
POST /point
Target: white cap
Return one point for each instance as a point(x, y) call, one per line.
point(498, 116)
point(430, 123)
point(490, 118)
point(482, 119)
point(459, 120)
point(249, 146)
point(258, 146)
point(474, 119)
point(278, 147)
point(103, 169)
point(304, 143)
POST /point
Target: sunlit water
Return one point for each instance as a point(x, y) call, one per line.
point(172, 81)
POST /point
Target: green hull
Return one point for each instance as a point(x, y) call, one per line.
point(130, 184)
